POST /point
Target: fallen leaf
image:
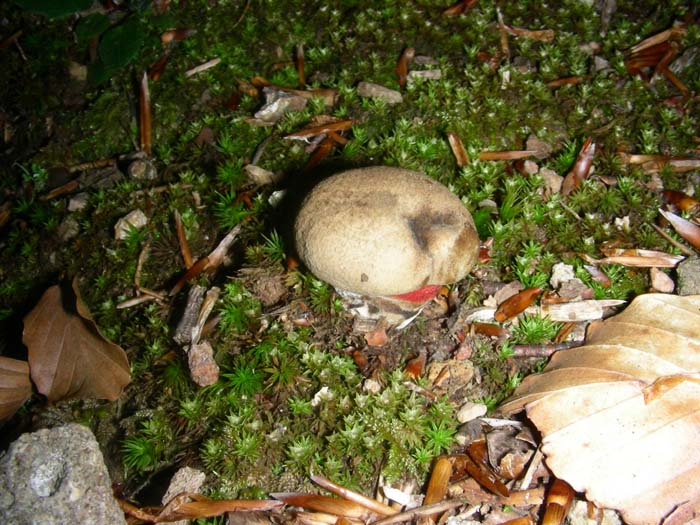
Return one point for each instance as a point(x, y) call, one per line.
point(15, 386)
point(619, 416)
point(68, 356)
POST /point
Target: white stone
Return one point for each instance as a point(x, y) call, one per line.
point(561, 273)
point(469, 411)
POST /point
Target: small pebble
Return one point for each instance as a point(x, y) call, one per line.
point(368, 89)
point(470, 411)
point(135, 219)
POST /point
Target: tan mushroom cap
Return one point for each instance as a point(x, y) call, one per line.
point(385, 231)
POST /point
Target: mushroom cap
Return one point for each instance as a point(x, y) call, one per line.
point(385, 231)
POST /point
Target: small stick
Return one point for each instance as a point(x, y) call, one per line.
point(682, 247)
point(202, 67)
point(427, 511)
point(351, 495)
point(95, 164)
point(535, 462)
point(504, 34)
point(542, 350)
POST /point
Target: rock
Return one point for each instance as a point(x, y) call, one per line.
point(185, 479)
point(552, 180)
point(203, 368)
point(78, 201)
point(277, 103)
point(561, 273)
point(368, 89)
point(135, 219)
point(68, 229)
point(660, 281)
point(260, 176)
point(689, 276)
point(56, 476)
point(542, 149)
point(385, 231)
point(142, 169)
point(424, 74)
point(469, 411)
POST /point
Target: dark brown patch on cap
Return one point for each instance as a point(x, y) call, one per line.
point(421, 225)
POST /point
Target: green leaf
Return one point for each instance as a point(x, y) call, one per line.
point(122, 43)
point(91, 26)
point(54, 8)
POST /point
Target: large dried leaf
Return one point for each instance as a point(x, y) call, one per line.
point(15, 387)
point(620, 416)
point(68, 357)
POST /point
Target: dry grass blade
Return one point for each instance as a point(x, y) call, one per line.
point(686, 229)
point(351, 495)
point(322, 151)
point(145, 115)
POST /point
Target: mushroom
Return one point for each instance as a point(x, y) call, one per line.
point(383, 231)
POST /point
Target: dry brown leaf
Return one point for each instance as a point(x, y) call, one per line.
point(68, 357)
point(15, 386)
point(601, 434)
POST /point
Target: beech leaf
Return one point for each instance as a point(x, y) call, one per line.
point(15, 386)
point(620, 416)
point(68, 356)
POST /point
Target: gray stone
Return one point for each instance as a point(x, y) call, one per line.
point(368, 89)
point(56, 476)
point(689, 276)
point(78, 202)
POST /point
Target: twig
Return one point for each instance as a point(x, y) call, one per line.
point(202, 67)
point(682, 247)
point(240, 18)
point(535, 462)
point(426, 510)
point(351, 495)
point(542, 350)
point(95, 164)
